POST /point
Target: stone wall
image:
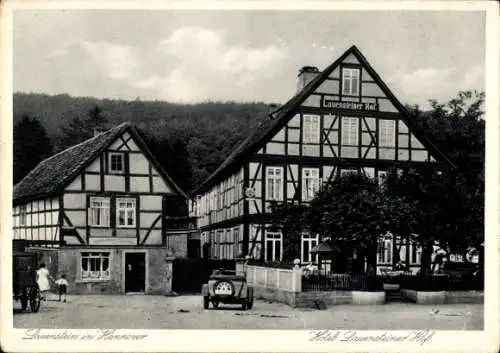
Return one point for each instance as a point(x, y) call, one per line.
point(285, 286)
point(158, 271)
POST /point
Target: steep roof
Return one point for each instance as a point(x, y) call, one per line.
point(53, 174)
point(271, 124)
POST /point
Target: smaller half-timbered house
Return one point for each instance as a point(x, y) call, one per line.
point(342, 119)
point(101, 212)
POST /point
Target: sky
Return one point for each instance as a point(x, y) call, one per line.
point(228, 55)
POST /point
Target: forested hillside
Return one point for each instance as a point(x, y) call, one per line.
point(190, 140)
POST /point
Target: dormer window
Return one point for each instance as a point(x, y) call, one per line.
point(350, 81)
point(116, 163)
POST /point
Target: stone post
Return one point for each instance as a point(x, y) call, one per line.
point(167, 286)
point(241, 266)
point(296, 276)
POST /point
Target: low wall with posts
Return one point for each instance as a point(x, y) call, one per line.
point(284, 285)
point(275, 284)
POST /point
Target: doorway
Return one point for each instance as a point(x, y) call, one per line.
point(135, 272)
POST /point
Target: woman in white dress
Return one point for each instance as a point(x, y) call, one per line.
point(42, 278)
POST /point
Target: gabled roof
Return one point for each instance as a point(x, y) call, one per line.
point(53, 174)
point(271, 124)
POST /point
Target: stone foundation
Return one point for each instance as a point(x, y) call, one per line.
point(368, 298)
point(444, 297)
point(308, 299)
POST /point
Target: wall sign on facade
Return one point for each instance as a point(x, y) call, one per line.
point(250, 193)
point(328, 103)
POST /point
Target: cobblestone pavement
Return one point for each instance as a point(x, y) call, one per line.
point(186, 312)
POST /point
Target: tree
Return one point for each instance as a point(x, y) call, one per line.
point(431, 205)
point(349, 212)
point(80, 129)
point(458, 128)
point(31, 146)
point(289, 219)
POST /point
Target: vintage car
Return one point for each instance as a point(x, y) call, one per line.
point(229, 288)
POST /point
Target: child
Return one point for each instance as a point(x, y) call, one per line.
point(62, 283)
point(42, 279)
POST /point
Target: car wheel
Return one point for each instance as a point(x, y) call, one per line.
point(205, 302)
point(215, 303)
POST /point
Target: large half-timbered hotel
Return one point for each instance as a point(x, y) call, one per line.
point(342, 119)
point(102, 213)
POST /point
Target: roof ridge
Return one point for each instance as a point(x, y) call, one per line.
point(117, 127)
point(265, 127)
point(66, 153)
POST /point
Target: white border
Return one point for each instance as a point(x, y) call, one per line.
point(253, 341)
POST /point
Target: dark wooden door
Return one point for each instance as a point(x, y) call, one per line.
point(135, 272)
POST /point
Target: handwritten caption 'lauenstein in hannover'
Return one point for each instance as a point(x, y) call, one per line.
point(99, 335)
point(419, 337)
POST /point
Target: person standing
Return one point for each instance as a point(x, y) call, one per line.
point(42, 279)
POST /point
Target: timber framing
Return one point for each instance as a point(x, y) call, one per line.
point(368, 131)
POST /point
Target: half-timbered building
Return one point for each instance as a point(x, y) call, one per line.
point(101, 212)
point(342, 119)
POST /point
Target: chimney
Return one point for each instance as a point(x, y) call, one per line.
point(306, 75)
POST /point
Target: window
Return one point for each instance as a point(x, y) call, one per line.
point(22, 215)
point(273, 246)
point(387, 133)
point(125, 213)
point(310, 183)
point(382, 175)
point(308, 242)
point(348, 171)
point(350, 131)
point(95, 265)
point(350, 81)
point(385, 251)
point(237, 245)
point(99, 212)
point(415, 254)
point(311, 129)
point(274, 183)
point(116, 164)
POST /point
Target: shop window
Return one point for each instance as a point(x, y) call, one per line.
point(95, 266)
point(99, 212)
